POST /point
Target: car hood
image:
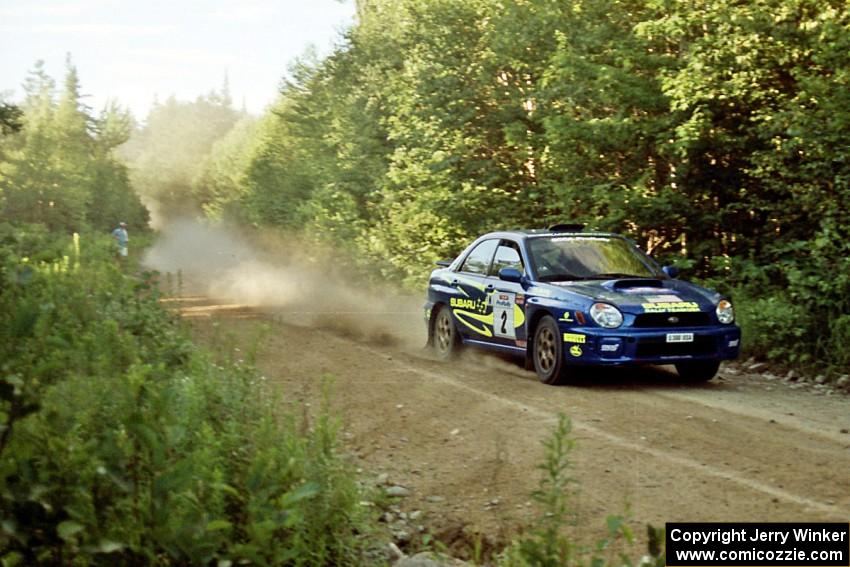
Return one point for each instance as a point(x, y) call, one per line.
point(641, 295)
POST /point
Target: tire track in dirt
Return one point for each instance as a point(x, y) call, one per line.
point(726, 451)
point(702, 468)
point(785, 419)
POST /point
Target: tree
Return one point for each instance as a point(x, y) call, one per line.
point(58, 170)
point(10, 118)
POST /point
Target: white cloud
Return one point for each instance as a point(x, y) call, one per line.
point(242, 11)
point(183, 55)
point(133, 49)
point(90, 30)
point(53, 8)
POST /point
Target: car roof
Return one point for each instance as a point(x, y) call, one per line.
point(523, 234)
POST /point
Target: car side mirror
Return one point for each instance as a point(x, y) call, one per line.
point(510, 275)
point(671, 271)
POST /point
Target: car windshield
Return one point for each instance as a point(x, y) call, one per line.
point(566, 258)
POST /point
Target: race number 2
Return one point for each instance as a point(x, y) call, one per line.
point(503, 314)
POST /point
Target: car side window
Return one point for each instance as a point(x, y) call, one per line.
point(507, 256)
point(478, 261)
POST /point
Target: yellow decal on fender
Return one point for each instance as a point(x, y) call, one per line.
point(671, 307)
point(575, 350)
point(574, 338)
point(482, 330)
point(519, 316)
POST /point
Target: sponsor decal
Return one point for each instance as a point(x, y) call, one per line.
point(566, 317)
point(504, 315)
point(663, 299)
point(502, 321)
point(427, 313)
point(477, 305)
point(574, 338)
point(643, 291)
point(521, 344)
point(575, 350)
point(671, 307)
point(520, 299)
point(733, 343)
point(609, 348)
point(577, 238)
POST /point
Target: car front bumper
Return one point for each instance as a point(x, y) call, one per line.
point(650, 346)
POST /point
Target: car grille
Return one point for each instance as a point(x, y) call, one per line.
point(645, 320)
point(658, 346)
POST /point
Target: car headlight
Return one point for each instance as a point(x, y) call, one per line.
point(606, 315)
point(725, 312)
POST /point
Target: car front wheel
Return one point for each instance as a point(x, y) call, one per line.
point(698, 370)
point(445, 340)
point(548, 352)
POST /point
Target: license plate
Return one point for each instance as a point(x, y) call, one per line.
point(680, 337)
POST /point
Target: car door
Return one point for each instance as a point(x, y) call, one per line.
point(508, 298)
point(470, 304)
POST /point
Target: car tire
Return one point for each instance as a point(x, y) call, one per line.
point(547, 352)
point(445, 339)
point(698, 370)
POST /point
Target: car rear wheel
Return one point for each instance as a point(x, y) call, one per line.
point(548, 352)
point(698, 370)
point(445, 340)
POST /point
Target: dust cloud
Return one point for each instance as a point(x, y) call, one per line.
point(283, 278)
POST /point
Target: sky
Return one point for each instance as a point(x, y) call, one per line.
point(137, 51)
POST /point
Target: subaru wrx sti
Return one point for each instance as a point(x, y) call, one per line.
point(566, 299)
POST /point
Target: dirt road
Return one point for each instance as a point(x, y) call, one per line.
point(465, 437)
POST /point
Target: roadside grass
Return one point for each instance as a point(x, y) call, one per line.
point(121, 442)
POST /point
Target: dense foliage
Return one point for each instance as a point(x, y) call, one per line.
point(121, 443)
point(715, 133)
point(57, 161)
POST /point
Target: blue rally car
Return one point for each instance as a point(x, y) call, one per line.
point(564, 298)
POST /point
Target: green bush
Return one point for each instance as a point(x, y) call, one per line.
point(791, 311)
point(774, 328)
point(122, 443)
point(835, 342)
